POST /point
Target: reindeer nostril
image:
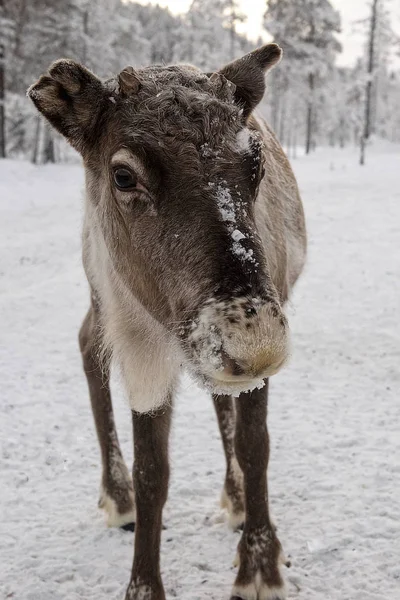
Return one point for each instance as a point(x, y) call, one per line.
point(232, 366)
point(236, 368)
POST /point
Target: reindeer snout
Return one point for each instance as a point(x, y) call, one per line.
point(241, 341)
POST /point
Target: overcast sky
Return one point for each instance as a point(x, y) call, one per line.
point(350, 10)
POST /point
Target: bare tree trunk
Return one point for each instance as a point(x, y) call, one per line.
point(232, 34)
point(275, 102)
point(48, 150)
point(36, 143)
point(232, 28)
point(368, 92)
point(290, 134)
point(282, 121)
point(314, 130)
point(85, 24)
point(2, 95)
point(310, 111)
point(362, 150)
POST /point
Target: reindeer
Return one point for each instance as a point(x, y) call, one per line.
point(193, 237)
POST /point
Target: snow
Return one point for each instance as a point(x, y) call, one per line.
point(237, 235)
point(334, 412)
point(225, 203)
point(227, 207)
point(242, 252)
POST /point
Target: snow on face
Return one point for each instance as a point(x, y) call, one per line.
point(207, 338)
point(225, 204)
point(237, 235)
point(227, 210)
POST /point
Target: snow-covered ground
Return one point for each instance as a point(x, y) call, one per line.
point(334, 412)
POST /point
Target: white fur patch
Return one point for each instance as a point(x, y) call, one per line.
point(149, 358)
point(243, 140)
point(114, 517)
point(234, 519)
point(150, 367)
point(258, 590)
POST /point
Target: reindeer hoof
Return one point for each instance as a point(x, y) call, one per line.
point(249, 592)
point(128, 526)
point(259, 559)
point(253, 597)
point(140, 591)
point(131, 526)
point(243, 598)
point(246, 598)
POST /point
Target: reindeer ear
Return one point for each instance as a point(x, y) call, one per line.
point(70, 97)
point(247, 73)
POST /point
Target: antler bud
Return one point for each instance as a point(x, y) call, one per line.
point(223, 88)
point(128, 81)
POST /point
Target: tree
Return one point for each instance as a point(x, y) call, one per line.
point(212, 30)
point(2, 83)
point(306, 31)
point(233, 17)
point(312, 100)
point(379, 78)
point(2, 104)
point(370, 69)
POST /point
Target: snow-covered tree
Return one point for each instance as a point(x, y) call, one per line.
point(381, 40)
point(306, 31)
point(212, 37)
point(311, 98)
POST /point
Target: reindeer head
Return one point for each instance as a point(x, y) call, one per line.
point(172, 173)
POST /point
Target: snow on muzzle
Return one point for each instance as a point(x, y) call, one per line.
point(235, 344)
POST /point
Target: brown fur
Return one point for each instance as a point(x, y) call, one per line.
point(192, 265)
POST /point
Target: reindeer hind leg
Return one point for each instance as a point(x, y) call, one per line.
point(232, 497)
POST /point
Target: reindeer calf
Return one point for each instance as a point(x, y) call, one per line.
point(193, 237)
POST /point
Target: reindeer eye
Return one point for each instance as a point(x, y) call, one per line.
point(124, 179)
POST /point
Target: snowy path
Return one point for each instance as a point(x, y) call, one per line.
point(334, 413)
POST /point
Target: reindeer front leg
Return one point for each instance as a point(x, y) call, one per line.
point(259, 548)
point(150, 475)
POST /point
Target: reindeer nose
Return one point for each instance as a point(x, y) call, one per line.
point(265, 362)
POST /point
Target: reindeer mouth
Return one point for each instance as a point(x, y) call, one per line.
point(222, 381)
point(231, 385)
